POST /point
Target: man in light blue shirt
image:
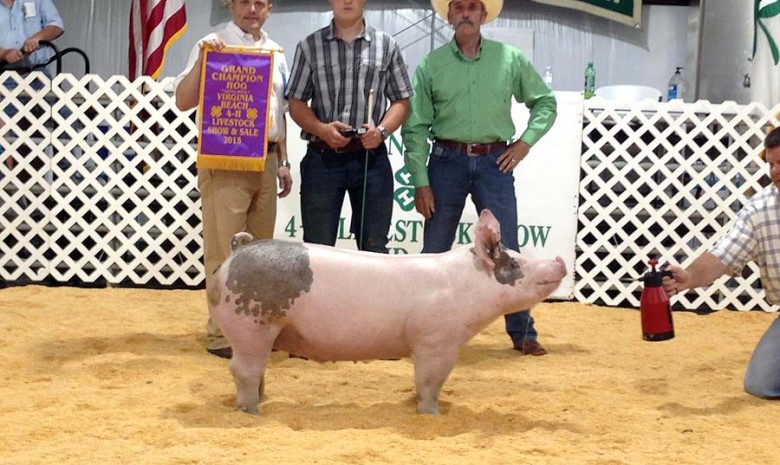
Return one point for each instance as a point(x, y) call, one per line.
point(23, 24)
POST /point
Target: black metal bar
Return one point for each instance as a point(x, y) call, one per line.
point(57, 56)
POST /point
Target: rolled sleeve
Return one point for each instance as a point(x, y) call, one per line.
point(399, 86)
point(49, 15)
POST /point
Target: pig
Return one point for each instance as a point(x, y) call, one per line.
point(329, 304)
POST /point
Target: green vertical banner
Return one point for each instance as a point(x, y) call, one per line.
point(763, 10)
point(628, 12)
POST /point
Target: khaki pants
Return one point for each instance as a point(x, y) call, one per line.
point(234, 201)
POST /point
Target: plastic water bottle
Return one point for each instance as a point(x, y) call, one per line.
point(676, 86)
point(590, 80)
point(548, 76)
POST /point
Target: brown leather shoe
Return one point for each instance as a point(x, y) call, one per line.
point(224, 352)
point(532, 347)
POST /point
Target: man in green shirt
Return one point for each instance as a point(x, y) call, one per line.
point(462, 102)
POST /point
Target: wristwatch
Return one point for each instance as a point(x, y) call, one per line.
point(284, 164)
point(385, 133)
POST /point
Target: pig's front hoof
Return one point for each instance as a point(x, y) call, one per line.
point(252, 410)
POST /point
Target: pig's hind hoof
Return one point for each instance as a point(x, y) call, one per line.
point(225, 352)
point(249, 410)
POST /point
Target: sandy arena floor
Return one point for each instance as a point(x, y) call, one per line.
point(108, 376)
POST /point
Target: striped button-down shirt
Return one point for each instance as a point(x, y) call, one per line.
point(337, 76)
point(756, 236)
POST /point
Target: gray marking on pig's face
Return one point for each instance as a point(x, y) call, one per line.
point(507, 269)
point(267, 276)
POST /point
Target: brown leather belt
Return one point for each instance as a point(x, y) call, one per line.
point(354, 145)
point(472, 150)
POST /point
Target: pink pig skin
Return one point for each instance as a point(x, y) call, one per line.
point(329, 304)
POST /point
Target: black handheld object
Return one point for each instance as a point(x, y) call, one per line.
point(352, 132)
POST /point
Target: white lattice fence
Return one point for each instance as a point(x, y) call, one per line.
point(665, 180)
point(97, 183)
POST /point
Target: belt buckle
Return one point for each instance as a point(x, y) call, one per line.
point(470, 150)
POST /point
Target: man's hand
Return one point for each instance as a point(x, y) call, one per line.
point(512, 156)
point(680, 279)
point(214, 44)
point(372, 138)
point(285, 181)
point(424, 202)
point(31, 45)
point(11, 55)
point(330, 133)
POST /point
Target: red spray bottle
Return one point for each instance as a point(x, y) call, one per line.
point(654, 306)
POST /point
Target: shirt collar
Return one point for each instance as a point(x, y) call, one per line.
point(330, 31)
point(456, 50)
point(245, 35)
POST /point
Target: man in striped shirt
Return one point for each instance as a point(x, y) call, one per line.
point(340, 69)
point(755, 236)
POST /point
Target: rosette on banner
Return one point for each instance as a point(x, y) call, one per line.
point(235, 93)
point(624, 11)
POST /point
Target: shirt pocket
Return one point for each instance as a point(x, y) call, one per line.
point(370, 72)
point(501, 88)
point(32, 25)
point(325, 74)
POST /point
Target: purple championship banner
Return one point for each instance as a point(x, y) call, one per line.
point(235, 92)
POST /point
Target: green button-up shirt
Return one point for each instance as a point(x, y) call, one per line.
point(471, 101)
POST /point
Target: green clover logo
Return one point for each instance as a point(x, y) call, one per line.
point(404, 196)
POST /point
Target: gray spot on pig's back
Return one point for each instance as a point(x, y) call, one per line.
point(267, 277)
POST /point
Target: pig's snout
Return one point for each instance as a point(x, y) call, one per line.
point(561, 265)
point(553, 272)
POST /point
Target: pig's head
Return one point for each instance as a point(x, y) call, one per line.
point(536, 278)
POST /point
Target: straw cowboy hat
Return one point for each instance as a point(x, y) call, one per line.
point(493, 8)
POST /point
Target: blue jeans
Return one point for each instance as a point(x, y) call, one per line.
point(762, 378)
point(326, 176)
point(453, 175)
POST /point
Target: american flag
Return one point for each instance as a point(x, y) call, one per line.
point(154, 26)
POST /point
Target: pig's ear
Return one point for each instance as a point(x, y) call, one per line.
point(488, 240)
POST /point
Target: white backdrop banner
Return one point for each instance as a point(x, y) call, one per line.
point(546, 184)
